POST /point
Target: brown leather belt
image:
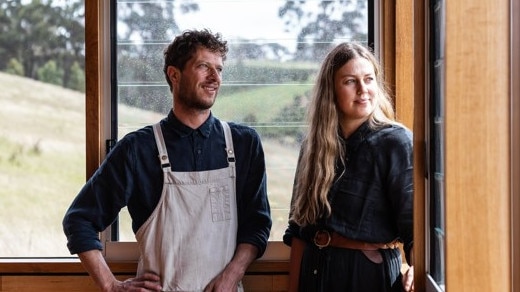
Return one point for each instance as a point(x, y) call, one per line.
point(324, 238)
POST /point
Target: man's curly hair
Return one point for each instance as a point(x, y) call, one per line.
point(186, 44)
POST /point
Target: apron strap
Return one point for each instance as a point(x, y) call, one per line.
point(163, 154)
point(229, 146)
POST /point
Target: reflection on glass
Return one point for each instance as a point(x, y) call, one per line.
point(436, 193)
point(275, 50)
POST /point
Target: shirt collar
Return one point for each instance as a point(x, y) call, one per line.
point(174, 124)
point(356, 138)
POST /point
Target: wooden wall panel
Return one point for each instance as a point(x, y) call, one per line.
point(387, 41)
point(404, 61)
point(83, 283)
point(419, 140)
point(515, 153)
point(265, 283)
point(47, 283)
point(477, 146)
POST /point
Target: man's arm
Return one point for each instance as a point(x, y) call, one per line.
point(98, 269)
point(234, 271)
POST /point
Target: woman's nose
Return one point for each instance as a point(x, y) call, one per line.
point(362, 88)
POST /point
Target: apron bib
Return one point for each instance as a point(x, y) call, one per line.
point(191, 235)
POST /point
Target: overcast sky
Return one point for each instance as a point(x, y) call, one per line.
point(238, 18)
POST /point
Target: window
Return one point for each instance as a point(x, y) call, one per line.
point(42, 124)
point(435, 182)
point(275, 50)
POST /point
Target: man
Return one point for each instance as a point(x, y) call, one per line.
point(195, 187)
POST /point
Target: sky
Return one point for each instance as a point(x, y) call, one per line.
point(238, 18)
point(251, 20)
point(254, 21)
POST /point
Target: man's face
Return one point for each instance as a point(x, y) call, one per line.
point(197, 84)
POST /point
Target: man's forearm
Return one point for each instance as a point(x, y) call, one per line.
point(97, 268)
point(234, 271)
point(245, 254)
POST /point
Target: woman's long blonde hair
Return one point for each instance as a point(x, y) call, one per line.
point(321, 148)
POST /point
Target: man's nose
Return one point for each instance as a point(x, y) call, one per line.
point(214, 73)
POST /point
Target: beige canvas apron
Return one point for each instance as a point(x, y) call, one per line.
point(191, 235)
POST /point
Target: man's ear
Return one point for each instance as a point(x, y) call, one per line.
point(174, 74)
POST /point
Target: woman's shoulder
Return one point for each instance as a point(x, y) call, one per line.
point(391, 134)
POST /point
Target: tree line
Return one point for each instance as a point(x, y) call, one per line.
point(45, 39)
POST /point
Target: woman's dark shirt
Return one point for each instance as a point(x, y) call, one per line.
point(131, 175)
point(372, 197)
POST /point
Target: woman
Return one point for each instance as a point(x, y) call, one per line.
point(353, 192)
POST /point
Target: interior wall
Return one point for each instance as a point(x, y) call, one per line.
point(478, 176)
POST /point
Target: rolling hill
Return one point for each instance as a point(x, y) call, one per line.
point(42, 164)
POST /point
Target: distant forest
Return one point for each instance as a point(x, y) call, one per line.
point(45, 39)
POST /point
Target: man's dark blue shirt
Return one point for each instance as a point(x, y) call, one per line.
point(131, 176)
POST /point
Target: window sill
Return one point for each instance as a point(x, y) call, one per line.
point(72, 266)
point(275, 261)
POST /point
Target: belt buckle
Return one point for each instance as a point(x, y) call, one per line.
point(319, 236)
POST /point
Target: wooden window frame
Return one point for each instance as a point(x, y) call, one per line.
point(515, 143)
point(401, 47)
point(98, 130)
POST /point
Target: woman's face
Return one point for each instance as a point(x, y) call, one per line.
point(355, 87)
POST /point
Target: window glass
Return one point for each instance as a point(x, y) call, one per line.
point(436, 179)
point(275, 51)
point(42, 124)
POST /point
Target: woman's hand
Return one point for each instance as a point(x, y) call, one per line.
point(408, 283)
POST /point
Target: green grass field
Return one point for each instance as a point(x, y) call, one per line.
point(42, 158)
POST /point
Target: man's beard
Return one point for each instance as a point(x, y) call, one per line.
point(195, 102)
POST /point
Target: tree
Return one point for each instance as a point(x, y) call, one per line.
point(72, 33)
point(36, 32)
point(14, 67)
point(143, 30)
point(77, 78)
point(10, 38)
point(50, 73)
point(319, 26)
